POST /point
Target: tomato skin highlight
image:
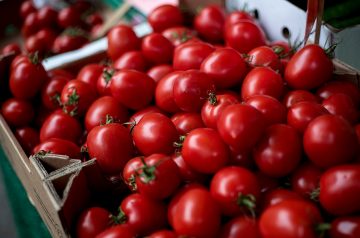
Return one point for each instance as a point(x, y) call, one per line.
point(345, 227)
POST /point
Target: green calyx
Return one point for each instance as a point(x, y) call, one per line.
point(121, 218)
point(248, 201)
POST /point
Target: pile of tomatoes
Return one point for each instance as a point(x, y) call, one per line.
point(215, 131)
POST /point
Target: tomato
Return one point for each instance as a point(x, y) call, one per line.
point(33, 44)
point(133, 89)
point(290, 218)
point(241, 226)
point(27, 77)
point(136, 117)
point(342, 105)
point(92, 222)
point(159, 71)
point(94, 19)
point(273, 111)
point(30, 25)
point(130, 170)
point(330, 140)
point(244, 36)
point(69, 17)
point(296, 96)
point(47, 37)
point(129, 41)
point(264, 56)
point(196, 202)
point(104, 81)
point(59, 146)
point(165, 16)
point(158, 177)
point(340, 189)
point(17, 112)
point(277, 196)
point(69, 40)
point(305, 179)
point(179, 35)
point(111, 145)
point(226, 67)
point(51, 91)
point(187, 174)
point(26, 8)
point(118, 231)
point(155, 133)
point(61, 125)
point(142, 214)
point(11, 48)
point(132, 60)
point(198, 52)
point(309, 68)
point(345, 227)
point(157, 49)
point(163, 234)
point(28, 138)
point(77, 97)
point(236, 190)
point(185, 122)
point(263, 81)
point(209, 22)
point(237, 16)
point(204, 151)
point(241, 126)
point(101, 109)
point(90, 74)
point(164, 92)
point(301, 114)
point(47, 16)
point(283, 49)
point(191, 89)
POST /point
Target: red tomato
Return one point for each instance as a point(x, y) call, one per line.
point(241, 126)
point(90, 74)
point(159, 71)
point(30, 25)
point(47, 37)
point(157, 49)
point(104, 81)
point(345, 227)
point(274, 155)
point(342, 105)
point(290, 218)
point(236, 190)
point(241, 226)
point(51, 91)
point(69, 17)
point(94, 19)
point(209, 22)
point(59, 146)
point(47, 16)
point(136, 117)
point(155, 133)
point(102, 108)
point(158, 177)
point(273, 111)
point(17, 112)
point(305, 180)
point(11, 48)
point(132, 60)
point(264, 56)
point(296, 96)
point(277, 196)
point(237, 16)
point(283, 49)
point(330, 140)
point(164, 92)
point(225, 66)
point(185, 122)
point(92, 222)
point(34, 44)
point(301, 114)
point(77, 97)
point(263, 81)
point(191, 54)
point(309, 68)
point(340, 190)
point(129, 41)
point(130, 170)
point(244, 36)
point(179, 35)
point(118, 231)
point(142, 214)
point(196, 203)
point(204, 151)
point(28, 138)
point(163, 234)
point(191, 89)
point(165, 16)
point(187, 174)
point(111, 145)
point(26, 8)
point(69, 41)
point(133, 89)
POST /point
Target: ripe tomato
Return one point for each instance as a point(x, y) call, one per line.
point(165, 16)
point(296, 96)
point(132, 60)
point(241, 126)
point(290, 218)
point(59, 146)
point(191, 89)
point(264, 56)
point(309, 68)
point(236, 190)
point(158, 177)
point(11, 48)
point(157, 49)
point(196, 202)
point(241, 226)
point(305, 179)
point(244, 36)
point(187, 174)
point(277, 196)
point(47, 16)
point(69, 40)
point(198, 52)
point(226, 67)
point(274, 155)
point(164, 92)
point(340, 189)
point(133, 89)
point(104, 82)
point(301, 114)
point(237, 16)
point(111, 145)
point(345, 227)
point(204, 151)
point(26, 8)
point(92, 222)
point(17, 112)
point(185, 122)
point(263, 81)
point(30, 25)
point(159, 71)
point(102, 108)
point(28, 138)
point(155, 133)
point(51, 91)
point(118, 231)
point(69, 17)
point(130, 170)
point(129, 41)
point(34, 44)
point(136, 117)
point(179, 35)
point(342, 105)
point(47, 37)
point(90, 74)
point(330, 140)
point(209, 22)
point(94, 19)
point(163, 234)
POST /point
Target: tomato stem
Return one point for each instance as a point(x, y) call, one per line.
point(34, 58)
point(248, 201)
point(41, 154)
point(314, 195)
point(107, 74)
point(178, 144)
point(119, 219)
point(322, 228)
point(212, 98)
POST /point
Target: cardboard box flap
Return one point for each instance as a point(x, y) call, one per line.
point(346, 72)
